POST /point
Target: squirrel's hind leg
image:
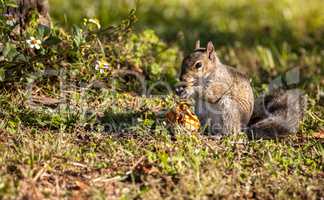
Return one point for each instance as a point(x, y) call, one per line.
point(230, 117)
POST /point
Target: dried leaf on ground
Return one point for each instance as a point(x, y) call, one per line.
point(183, 115)
point(319, 135)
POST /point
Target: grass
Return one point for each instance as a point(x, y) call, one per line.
point(112, 142)
point(126, 151)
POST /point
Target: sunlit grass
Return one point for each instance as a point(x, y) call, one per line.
point(224, 21)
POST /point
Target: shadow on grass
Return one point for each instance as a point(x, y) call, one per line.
point(119, 122)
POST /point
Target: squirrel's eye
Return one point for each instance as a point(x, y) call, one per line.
point(198, 65)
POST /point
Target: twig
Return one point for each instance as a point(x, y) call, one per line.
point(104, 179)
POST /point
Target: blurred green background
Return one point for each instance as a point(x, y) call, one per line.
point(226, 22)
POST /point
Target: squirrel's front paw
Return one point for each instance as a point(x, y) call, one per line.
point(184, 92)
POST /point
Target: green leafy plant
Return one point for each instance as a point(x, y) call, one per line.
point(98, 50)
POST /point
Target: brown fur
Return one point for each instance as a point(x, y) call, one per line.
point(224, 99)
point(277, 114)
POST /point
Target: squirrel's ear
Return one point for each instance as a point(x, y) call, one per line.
point(210, 47)
point(211, 51)
point(197, 44)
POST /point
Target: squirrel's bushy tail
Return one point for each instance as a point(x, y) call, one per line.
point(277, 114)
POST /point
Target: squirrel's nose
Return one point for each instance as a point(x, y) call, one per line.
point(179, 90)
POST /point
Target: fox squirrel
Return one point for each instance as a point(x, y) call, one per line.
point(225, 102)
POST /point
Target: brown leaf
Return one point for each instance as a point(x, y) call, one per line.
point(182, 114)
point(319, 135)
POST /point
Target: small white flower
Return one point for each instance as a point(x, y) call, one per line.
point(34, 43)
point(10, 20)
point(101, 66)
point(97, 65)
point(105, 65)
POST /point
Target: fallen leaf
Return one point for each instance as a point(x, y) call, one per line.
point(182, 114)
point(319, 135)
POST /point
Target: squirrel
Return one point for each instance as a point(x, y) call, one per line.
point(224, 99)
